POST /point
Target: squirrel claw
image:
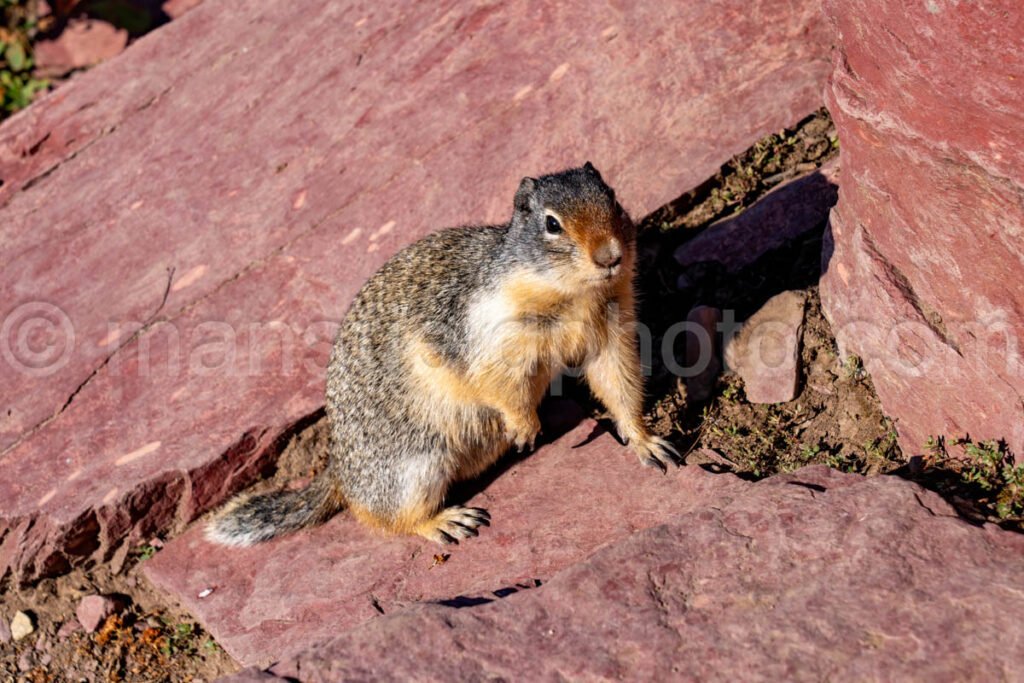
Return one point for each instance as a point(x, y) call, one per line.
point(654, 463)
point(523, 439)
point(657, 452)
point(455, 524)
point(525, 447)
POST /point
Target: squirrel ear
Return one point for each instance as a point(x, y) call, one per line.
point(526, 189)
point(589, 168)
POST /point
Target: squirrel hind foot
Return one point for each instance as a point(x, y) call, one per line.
point(453, 524)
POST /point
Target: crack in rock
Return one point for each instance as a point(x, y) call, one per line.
point(150, 321)
point(931, 318)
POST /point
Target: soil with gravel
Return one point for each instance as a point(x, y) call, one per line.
point(147, 641)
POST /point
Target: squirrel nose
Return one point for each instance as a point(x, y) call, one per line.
point(609, 254)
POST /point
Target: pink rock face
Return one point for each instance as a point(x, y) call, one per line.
point(548, 511)
point(815, 575)
point(252, 674)
point(766, 350)
point(221, 201)
point(923, 268)
point(83, 43)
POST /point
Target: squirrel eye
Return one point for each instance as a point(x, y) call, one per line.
point(552, 225)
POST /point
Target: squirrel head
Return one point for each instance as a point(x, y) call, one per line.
point(571, 225)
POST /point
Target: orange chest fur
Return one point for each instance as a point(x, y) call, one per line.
point(553, 328)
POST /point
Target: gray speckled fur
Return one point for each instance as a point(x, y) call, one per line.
point(374, 431)
point(423, 290)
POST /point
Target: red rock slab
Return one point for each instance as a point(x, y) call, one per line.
point(178, 169)
point(815, 575)
point(548, 511)
point(273, 185)
point(923, 259)
point(782, 215)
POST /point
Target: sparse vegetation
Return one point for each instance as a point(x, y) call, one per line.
point(835, 420)
point(180, 639)
point(18, 86)
point(985, 472)
point(145, 552)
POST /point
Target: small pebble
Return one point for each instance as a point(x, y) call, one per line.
point(68, 628)
point(25, 661)
point(93, 610)
point(22, 625)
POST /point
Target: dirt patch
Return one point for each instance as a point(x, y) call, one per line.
point(149, 641)
point(836, 419)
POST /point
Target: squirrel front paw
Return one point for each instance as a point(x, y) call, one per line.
point(654, 451)
point(522, 434)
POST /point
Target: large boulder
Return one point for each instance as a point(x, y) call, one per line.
point(182, 225)
point(923, 263)
point(810, 576)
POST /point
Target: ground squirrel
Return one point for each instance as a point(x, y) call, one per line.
point(444, 355)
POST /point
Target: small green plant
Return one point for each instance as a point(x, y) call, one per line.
point(844, 462)
point(731, 392)
point(988, 468)
point(993, 469)
point(810, 452)
point(180, 639)
point(853, 367)
point(885, 450)
point(145, 552)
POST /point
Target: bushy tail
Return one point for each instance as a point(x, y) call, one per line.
point(249, 519)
